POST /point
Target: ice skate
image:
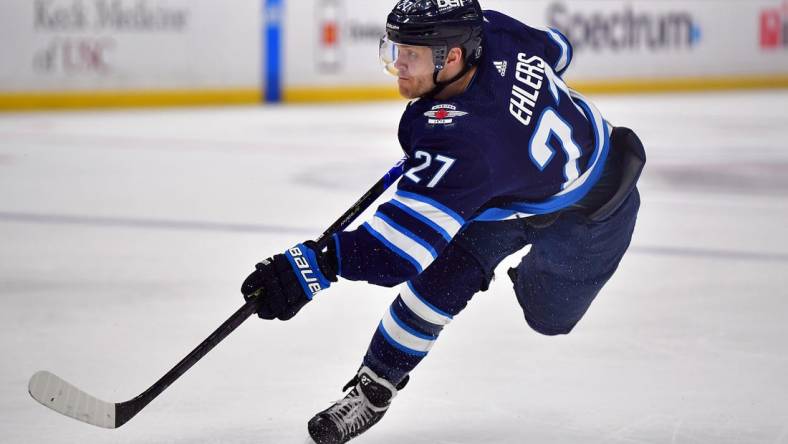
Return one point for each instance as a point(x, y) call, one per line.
point(360, 409)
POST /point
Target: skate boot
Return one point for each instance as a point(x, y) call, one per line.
point(360, 409)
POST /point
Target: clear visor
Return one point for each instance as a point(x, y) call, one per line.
point(405, 60)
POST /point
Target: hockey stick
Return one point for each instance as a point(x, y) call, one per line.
point(64, 398)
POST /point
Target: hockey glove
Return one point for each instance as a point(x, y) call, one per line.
point(286, 282)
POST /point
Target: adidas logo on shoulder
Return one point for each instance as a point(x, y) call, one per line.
point(501, 67)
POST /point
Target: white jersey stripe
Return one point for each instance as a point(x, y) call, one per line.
point(440, 218)
point(404, 337)
point(558, 39)
point(409, 246)
point(601, 129)
point(420, 307)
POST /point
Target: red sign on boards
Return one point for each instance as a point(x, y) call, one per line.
point(774, 27)
point(330, 31)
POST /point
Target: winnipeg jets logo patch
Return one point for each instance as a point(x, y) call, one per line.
point(501, 67)
point(443, 114)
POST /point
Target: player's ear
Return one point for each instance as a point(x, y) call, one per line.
point(454, 56)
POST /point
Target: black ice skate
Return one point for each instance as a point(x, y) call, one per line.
point(359, 410)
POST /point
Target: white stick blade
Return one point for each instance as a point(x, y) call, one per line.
point(62, 397)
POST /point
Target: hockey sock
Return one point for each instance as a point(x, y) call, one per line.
point(424, 306)
point(406, 334)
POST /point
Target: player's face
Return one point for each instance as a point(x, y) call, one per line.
point(412, 65)
point(415, 68)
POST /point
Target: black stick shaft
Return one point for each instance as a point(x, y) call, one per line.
point(363, 203)
point(127, 410)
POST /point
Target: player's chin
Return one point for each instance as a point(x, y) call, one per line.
point(407, 88)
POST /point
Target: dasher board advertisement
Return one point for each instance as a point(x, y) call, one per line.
point(332, 45)
point(334, 42)
point(89, 45)
point(668, 38)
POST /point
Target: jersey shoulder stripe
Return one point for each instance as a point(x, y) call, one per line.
point(566, 49)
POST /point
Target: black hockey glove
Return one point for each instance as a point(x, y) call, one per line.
point(286, 282)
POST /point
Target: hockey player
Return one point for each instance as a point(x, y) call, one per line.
point(501, 154)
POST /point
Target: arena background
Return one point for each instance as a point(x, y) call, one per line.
point(126, 233)
point(87, 53)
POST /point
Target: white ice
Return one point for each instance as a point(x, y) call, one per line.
point(124, 237)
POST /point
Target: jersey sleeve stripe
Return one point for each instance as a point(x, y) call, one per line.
point(397, 344)
point(393, 247)
point(409, 234)
point(566, 51)
point(416, 226)
point(421, 307)
point(421, 218)
point(441, 215)
point(403, 239)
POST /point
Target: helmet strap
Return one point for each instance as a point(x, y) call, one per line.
point(441, 85)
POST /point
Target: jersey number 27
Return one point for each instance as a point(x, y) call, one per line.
point(426, 159)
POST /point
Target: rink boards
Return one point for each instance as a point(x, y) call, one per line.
point(73, 53)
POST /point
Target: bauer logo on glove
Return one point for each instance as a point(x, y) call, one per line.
point(309, 275)
point(286, 282)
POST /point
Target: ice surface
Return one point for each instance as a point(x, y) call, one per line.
point(124, 237)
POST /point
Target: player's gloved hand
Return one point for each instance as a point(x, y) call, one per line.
point(286, 282)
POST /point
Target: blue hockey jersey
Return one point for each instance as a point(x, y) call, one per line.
point(517, 143)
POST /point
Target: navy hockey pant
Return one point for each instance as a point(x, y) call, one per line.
point(569, 262)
